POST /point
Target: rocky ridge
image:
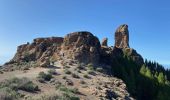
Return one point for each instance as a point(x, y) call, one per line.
point(81, 47)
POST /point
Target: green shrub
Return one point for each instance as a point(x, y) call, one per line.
point(65, 89)
point(82, 82)
point(29, 86)
point(91, 72)
point(52, 72)
point(67, 71)
point(7, 93)
point(86, 76)
point(80, 67)
point(64, 77)
point(90, 66)
point(75, 75)
point(99, 69)
point(19, 84)
point(44, 77)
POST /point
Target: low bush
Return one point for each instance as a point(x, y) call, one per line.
point(7, 93)
point(20, 84)
point(99, 69)
point(75, 75)
point(9, 88)
point(82, 82)
point(91, 72)
point(65, 89)
point(67, 71)
point(52, 72)
point(90, 66)
point(44, 77)
point(86, 76)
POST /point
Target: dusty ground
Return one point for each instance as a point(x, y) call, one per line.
point(93, 88)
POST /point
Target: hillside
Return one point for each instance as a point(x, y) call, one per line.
point(78, 66)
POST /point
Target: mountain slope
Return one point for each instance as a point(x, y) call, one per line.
point(78, 62)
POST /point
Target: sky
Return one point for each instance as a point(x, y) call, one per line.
point(149, 23)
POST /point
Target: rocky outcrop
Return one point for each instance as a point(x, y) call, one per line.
point(122, 37)
point(104, 42)
point(40, 50)
point(81, 46)
point(129, 52)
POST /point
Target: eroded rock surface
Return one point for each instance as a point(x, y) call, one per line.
point(104, 42)
point(81, 46)
point(122, 37)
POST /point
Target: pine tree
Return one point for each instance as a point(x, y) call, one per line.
point(161, 78)
point(148, 73)
point(143, 70)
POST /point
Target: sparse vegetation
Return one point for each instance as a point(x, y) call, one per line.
point(1, 72)
point(7, 93)
point(82, 82)
point(91, 72)
point(79, 71)
point(67, 93)
point(52, 72)
point(9, 88)
point(86, 76)
point(19, 84)
point(75, 75)
point(44, 77)
point(67, 71)
point(80, 67)
point(90, 66)
point(66, 67)
point(64, 77)
point(99, 69)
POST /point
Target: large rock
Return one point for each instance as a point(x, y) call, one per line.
point(122, 37)
point(39, 49)
point(81, 46)
point(104, 42)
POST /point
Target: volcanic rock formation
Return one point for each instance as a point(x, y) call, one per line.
point(122, 37)
point(82, 46)
point(104, 42)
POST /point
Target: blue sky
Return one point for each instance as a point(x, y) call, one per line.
point(148, 20)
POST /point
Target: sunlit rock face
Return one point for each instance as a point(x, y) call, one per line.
point(104, 42)
point(82, 46)
point(122, 37)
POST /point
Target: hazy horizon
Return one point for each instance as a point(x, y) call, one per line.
point(23, 20)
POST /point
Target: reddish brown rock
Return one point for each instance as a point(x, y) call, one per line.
point(81, 46)
point(104, 42)
point(40, 48)
point(122, 37)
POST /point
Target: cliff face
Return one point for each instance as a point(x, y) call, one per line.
point(81, 46)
